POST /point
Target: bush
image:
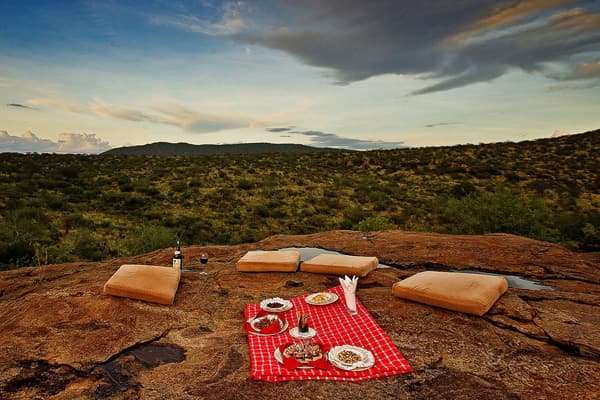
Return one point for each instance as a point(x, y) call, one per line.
point(90, 247)
point(373, 224)
point(16, 254)
point(498, 211)
point(149, 237)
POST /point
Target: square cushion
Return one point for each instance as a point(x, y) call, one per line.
point(340, 264)
point(269, 261)
point(144, 282)
point(468, 293)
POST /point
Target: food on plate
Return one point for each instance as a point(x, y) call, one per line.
point(263, 322)
point(348, 357)
point(275, 304)
point(321, 297)
point(303, 352)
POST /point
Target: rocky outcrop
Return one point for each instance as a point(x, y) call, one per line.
point(63, 339)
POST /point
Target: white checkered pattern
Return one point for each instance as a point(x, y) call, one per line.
point(335, 327)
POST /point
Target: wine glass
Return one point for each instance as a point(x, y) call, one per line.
point(203, 260)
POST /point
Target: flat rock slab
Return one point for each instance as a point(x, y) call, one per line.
point(62, 338)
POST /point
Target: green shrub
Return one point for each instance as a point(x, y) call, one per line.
point(498, 211)
point(372, 224)
point(149, 237)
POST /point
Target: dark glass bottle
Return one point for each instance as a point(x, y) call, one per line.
point(178, 257)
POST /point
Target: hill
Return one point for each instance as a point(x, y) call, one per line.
point(65, 208)
point(186, 149)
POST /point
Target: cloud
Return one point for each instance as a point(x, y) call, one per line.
point(60, 104)
point(289, 128)
point(18, 105)
point(332, 140)
point(227, 20)
point(81, 143)
point(441, 124)
point(168, 113)
point(453, 44)
point(29, 142)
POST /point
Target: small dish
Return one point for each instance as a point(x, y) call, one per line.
point(351, 358)
point(263, 322)
point(322, 355)
point(279, 359)
point(321, 298)
point(276, 304)
point(295, 333)
point(255, 325)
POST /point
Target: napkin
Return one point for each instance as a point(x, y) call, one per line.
point(273, 328)
point(349, 286)
point(292, 363)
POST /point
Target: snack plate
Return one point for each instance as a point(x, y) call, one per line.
point(295, 333)
point(287, 305)
point(321, 298)
point(284, 325)
point(279, 358)
point(367, 358)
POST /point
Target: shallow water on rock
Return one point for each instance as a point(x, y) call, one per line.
point(306, 253)
point(513, 281)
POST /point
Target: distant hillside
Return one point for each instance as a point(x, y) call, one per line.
point(186, 149)
point(57, 208)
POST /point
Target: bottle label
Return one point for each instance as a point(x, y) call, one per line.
point(177, 263)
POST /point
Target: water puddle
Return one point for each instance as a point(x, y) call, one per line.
point(514, 281)
point(306, 253)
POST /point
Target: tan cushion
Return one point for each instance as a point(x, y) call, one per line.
point(469, 293)
point(265, 261)
point(144, 282)
point(340, 264)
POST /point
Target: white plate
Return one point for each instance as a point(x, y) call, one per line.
point(367, 358)
point(252, 321)
point(279, 358)
point(295, 333)
point(321, 298)
point(287, 305)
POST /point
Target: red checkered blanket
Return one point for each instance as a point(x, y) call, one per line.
point(335, 327)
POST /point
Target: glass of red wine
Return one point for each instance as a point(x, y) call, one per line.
point(203, 260)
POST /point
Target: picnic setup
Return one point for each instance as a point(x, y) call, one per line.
point(327, 335)
point(317, 316)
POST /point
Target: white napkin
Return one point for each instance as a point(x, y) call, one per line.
point(349, 286)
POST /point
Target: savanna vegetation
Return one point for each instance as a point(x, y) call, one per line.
point(61, 208)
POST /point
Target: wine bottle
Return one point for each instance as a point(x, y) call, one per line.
point(178, 257)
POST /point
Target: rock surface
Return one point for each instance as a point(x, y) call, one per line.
point(62, 338)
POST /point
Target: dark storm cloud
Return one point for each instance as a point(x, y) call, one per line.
point(332, 140)
point(453, 43)
point(17, 105)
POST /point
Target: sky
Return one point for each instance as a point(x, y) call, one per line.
point(87, 76)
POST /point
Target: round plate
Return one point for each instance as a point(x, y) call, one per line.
point(321, 298)
point(284, 325)
point(367, 358)
point(287, 305)
point(279, 358)
point(295, 333)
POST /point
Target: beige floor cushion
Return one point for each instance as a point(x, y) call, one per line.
point(469, 293)
point(269, 261)
point(144, 282)
point(340, 264)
